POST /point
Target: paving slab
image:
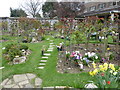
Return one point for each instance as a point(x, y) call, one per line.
point(44, 57)
point(19, 78)
point(43, 60)
point(49, 50)
point(16, 86)
point(2, 67)
point(9, 86)
point(9, 82)
point(30, 76)
point(47, 54)
point(23, 82)
point(5, 81)
point(38, 82)
point(41, 67)
point(28, 86)
point(42, 64)
point(51, 43)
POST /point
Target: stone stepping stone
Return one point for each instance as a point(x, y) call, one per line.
point(44, 57)
point(47, 54)
point(43, 60)
point(51, 43)
point(2, 67)
point(42, 64)
point(38, 82)
point(50, 50)
point(41, 67)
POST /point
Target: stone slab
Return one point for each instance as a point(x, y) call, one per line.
point(4, 81)
point(9, 86)
point(44, 57)
point(47, 54)
point(28, 86)
point(51, 43)
point(30, 76)
point(42, 64)
point(23, 82)
point(19, 78)
point(9, 82)
point(2, 67)
point(38, 82)
point(41, 67)
point(50, 50)
point(16, 86)
point(43, 60)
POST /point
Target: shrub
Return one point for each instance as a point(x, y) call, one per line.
point(42, 38)
point(23, 47)
point(13, 50)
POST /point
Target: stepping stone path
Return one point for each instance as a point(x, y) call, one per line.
point(27, 80)
point(43, 61)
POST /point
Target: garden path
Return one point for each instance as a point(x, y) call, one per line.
point(46, 56)
point(27, 80)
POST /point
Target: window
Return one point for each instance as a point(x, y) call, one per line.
point(114, 3)
point(100, 6)
point(92, 8)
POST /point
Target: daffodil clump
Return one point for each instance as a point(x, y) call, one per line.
point(106, 75)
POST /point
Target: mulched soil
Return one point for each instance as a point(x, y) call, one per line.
point(64, 66)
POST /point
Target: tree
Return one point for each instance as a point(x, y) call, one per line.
point(17, 13)
point(33, 7)
point(62, 9)
point(48, 9)
point(69, 9)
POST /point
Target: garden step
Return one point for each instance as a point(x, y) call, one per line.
point(43, 60)
point(42, 64)
point(44, 57)
point(49, 50)
point(51, 43)
point(2, 67)
point(47, 54)
point(41, 67)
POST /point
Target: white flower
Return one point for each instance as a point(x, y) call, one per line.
point(111, 71)
point(92, 54)
point(86, 54)
point(114, 73)
point(96, 57)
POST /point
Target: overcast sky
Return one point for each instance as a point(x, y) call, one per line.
point(6, 4)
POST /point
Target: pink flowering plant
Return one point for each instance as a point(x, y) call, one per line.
point(106, 75)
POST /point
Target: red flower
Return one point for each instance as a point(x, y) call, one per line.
point(108, 82)
point(102, 74)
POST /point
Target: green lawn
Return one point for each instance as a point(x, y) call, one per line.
point(49, 74)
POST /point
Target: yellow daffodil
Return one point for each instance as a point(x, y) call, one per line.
point(91, 73)
point(100, 66)
point(94, 65)
point(95, 71)
point(105, 65)
point(112, 66)
point(108, 48)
